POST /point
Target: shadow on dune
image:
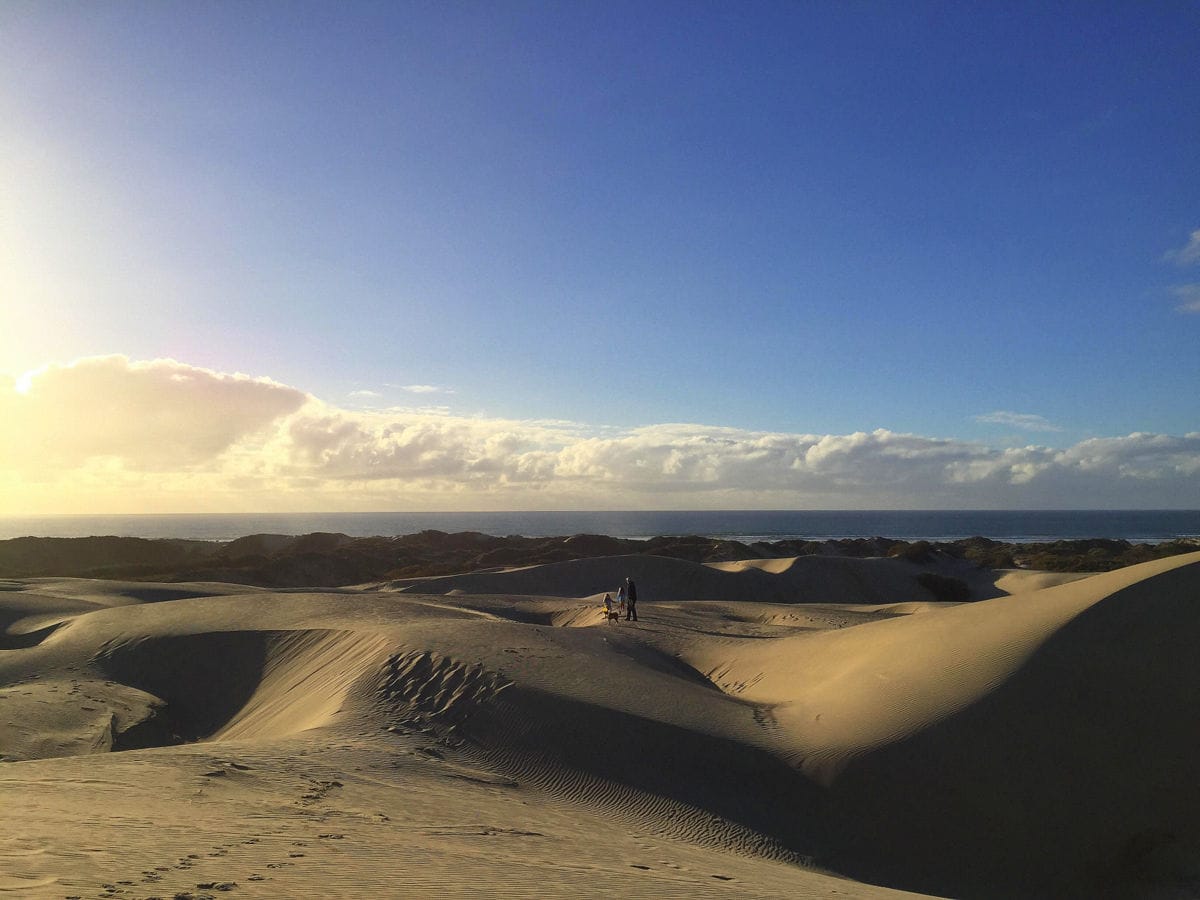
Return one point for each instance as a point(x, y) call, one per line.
point(1077, 777)
point(202, 679)
point(592, 753)
point(162, 594)
point(650, 657)
point(25, 640)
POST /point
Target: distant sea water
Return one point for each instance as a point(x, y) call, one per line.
point(1149, 526)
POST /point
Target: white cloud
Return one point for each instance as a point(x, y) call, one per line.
point(1139, 456)
point(1023, 421)
point(414, 446)
point(1190, 295)
point(424, 389)
point(365, 395)
point(1189, 253)
point(158, 416)
point(107, 434)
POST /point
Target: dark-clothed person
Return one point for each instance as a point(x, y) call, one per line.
point(630, 600)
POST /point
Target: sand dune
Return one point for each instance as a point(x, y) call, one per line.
point(809, 727)
point(804, 579)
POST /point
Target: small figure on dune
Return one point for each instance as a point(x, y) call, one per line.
point(630, 590)
point(609, 615)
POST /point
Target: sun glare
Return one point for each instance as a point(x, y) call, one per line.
point(24, 383)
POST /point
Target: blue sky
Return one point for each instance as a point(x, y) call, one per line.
point(967, 223)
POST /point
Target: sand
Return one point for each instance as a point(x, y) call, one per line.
point(815, 727)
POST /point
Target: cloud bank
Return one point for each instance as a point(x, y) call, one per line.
point(153, 416)
point(1189, 253)
point(110, 435)
point(1189, 295)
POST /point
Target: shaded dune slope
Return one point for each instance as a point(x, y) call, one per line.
point(239, 684)
point(205, 668)
point(1078, 772)
point(1039, 744)
point(796, 580)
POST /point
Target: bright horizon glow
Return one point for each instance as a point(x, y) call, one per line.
point(598, 256)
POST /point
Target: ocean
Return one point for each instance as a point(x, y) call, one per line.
point(1149, 526)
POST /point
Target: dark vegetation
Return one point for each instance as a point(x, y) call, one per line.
point(1092, 555)
point(328, 560)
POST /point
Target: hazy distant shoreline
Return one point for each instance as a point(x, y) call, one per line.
point(746, 526)
point(327, 559)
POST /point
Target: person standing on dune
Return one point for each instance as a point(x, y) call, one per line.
point(630, 600)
